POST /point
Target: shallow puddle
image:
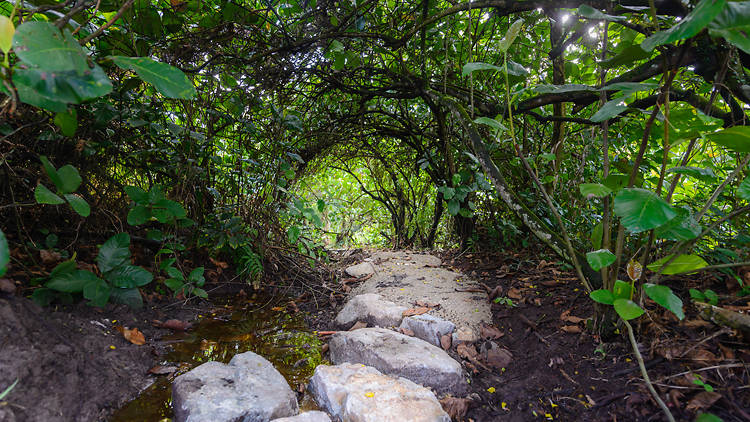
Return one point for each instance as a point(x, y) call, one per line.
point(259, 326)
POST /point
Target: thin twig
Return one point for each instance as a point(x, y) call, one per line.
point(102, 28)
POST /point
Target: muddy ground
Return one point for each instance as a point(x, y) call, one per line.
point(73, 365)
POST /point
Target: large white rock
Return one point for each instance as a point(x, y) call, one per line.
point(372, 309)
point(359, 393)
point(396, 354)
point(248, 389)
point(313, 416)
point(360, 270)
point(427, 327)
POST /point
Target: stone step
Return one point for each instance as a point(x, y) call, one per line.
point(313, 416)
point(359, 393)
point(399, 355)
point(372, 309)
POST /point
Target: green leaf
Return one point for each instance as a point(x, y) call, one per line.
point(97, 293)
point(69, 178)
point(615, 181)
point(596, 189)
point(682, 227)
point(469, 68)
point(453, 207)
point(138, 215)
point(63, 268)
point(321, 205)
point(43, 296)
point(696, 295)
point(490, 122)
point(711, 297)
point(706, 175)
point(743, 191)
point(41, 44)
point(200, 293)
point(174, 284)
point(626, 56)
point(196, 274)
point(168, 80)
point(603, 296)
point(175, 273)
point(708, 417)
point(681, 264)
point(78, 204)
point(4, 253)
point(45, 196)
point(627, 309)
point(50, 170)
point(8, 390)
point(114, 252)
point(136, 194)
point(73, 282)
point(609, 110)
point(733, 24)
point(130, 297)
point(736, 138)
point(589, 12)
point(641, 210)
point(510, 36)
point(127, 276)
point(600, 259)
point(67, 122)
point(622, 290)
point(293, 234)
point(596, 235)
point(54, 91)
point(664, 296)
point(7, 29)
point(563, 89)
point(688, 27)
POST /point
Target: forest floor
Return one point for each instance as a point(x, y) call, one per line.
point(72, 363)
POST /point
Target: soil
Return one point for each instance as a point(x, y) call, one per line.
point(72, 364)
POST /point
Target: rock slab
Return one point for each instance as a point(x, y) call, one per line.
point(313, 416)
point(428, 328)
point(359, 393)
point(396, 354)
point(248, 389)
point(360, 270)
point(372, 309)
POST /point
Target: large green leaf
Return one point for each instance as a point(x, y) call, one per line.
point(706, 175)
point(168, 80)
point(510, 36)
point(688, 27)
point(6, 34)
point(563, 89)
point(663, 296)
point(69, 178)
point(589, 12)
point(609, 110)
point(626, 56)
point(641, 210)
point(681, 264)
point(4, 254)
point(97, 293)
point(627, 309)
point(736, 138)
point(131, 297)
point(472, 67)
point(50, 170)
point(603, 296)
point(54, 91)
point(733, 24)
point(137, 194)
point(114, 252)
point(46, 196)
point(491, 123)
point(67, 122)
point(41, 44)
point(138, 215)
point(682, 227)
point(595, 189)
point(600, 259)
point(622, 290)
point(744, 190)
point(78, 204)
point(127, 276)
point(73, 282)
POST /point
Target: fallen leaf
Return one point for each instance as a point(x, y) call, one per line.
point(538, 302)
point(703, 355)
point(277, 308)
point(49, 256)
point(490, 332)
point(571, 329)
point(425, 304)
point(357, 325)
point(415, 311)
point(634, 269)
point(134, 336)
point(703, 401)
point(172, 324)
point(406, 332)
point(514, 294)
point(456, 407)
point(566, 316)
point(496, 292)
point(498, 358)
point(220, 264)
point(162, 370)
point(445, 341)
point(467, 351)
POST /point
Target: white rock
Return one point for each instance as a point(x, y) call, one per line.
point(313, 416)
point(396, 354)
point(464, 335)
point(359, 393)
point(249, 389)
point(372, 309)
point(361, 270)
point(427, 327)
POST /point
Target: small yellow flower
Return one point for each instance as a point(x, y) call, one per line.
point(628, 360)
point(491, 389)
point(548, 416)
point(113, 321)
point(504, 406)
point(370, 394)
point(112, 347)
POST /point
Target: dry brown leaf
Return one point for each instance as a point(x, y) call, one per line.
point(566, 316)
point(415, 311)
point(445, 341)
point(406, 332)
point(703, 355)
point(571, 329)
point(538, 302)
point(467, 351)
point(696, 323)
point(49, 256)
point(172, 324)
point(455, 407)
point(219, 264)
point(496, 292)
point(498, 358)
point(162, 370)
point(357, 325)
point(703, 401)
point(514, 294)
point(134, 336)
point(635, 269)
point(490, 332)
point(425, 304)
